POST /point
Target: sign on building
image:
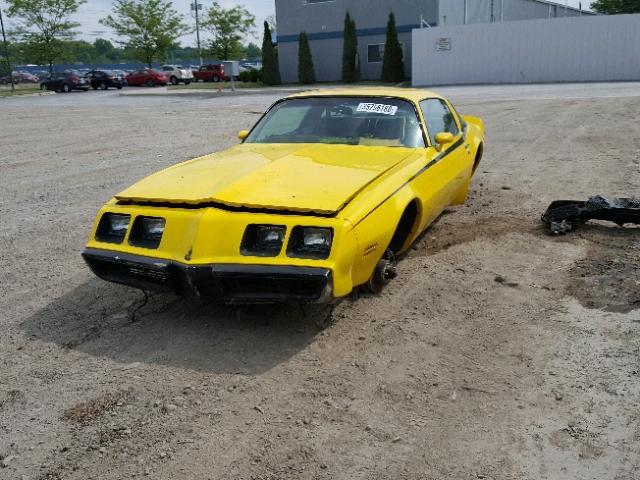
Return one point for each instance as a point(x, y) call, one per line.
point(443, 44)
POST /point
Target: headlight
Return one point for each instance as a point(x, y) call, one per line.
point(263, 240)
point(112, 227)
point(147, 232)
point(310, 242)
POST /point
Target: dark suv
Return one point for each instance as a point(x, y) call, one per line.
point(104, 79)
point(64, 82)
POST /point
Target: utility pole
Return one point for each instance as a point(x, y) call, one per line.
point(195, 6)
point(6, 52)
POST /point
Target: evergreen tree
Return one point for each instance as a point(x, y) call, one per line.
point(306, 73)
point(270, 67)
point(392, 62)
point(350, 67)
point(614, 7)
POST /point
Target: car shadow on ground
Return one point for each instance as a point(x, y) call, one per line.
point(96, 318)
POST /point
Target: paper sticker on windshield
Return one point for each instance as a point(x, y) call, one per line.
point(377, 108)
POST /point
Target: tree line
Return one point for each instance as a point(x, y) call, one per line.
point(102, 51)
point(147, 31)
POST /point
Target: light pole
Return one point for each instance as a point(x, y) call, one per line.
point(195, 6)
point(6, 52)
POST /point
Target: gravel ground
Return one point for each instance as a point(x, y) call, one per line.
point(499, 352)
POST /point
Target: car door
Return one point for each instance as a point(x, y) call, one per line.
point(135, 78)
point(446, 165)
point(58, 81)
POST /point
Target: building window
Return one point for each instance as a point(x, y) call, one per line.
point(375, 52)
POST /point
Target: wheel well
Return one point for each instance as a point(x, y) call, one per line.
point(476, 162)
point(405, 225)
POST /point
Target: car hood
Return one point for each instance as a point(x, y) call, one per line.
point(293, 177)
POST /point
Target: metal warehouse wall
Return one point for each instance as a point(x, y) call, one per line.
point(452, 12)
point(588, 48)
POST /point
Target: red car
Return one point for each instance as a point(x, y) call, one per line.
point(210, 73)
point(148, 77)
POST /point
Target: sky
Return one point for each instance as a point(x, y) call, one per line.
point(91, 12)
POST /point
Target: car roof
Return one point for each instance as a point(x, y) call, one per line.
point(413, 94)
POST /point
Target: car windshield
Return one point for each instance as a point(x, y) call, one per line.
point(373, 121)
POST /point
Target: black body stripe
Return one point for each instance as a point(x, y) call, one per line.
point(442, 155)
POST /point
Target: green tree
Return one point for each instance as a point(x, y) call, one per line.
point(252, 51)
point(614, 7)
point(350, 67)
point(149, 27)
point(392, 61)
point(270, 67)
point(228, 26)
point(306, 72)
point(43, 25)
point(79, 51)
point(105, 51)
point(5, 71)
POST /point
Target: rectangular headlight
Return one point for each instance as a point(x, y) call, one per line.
point(113, 227)
point(147, 232)
point(263, 240)
point(310, 242)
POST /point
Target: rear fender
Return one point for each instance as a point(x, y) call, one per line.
point(476, 122)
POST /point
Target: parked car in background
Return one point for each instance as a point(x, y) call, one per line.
point(122, 76)
point(147, 77)
point(64, 82)
point(104, 79)
point(210, 73)
point(178, 74)
point(20, 77)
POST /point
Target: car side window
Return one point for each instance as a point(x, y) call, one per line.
point(167, 69)
point(438, 117)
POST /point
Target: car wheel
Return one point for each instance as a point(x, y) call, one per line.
point(44, 88)
point(66, 88)
point(103, 86)
point(150, 83)
point(384, 272)
point(119, 88)
point(174, 81)
point(95, 87)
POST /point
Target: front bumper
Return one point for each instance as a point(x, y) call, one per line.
point(229, 283)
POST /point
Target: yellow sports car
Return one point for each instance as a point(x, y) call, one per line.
point(319, 198)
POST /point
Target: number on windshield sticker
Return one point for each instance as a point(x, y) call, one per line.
point(377, 108)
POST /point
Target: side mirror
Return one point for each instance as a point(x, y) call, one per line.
point(242, 134)
point(444, 138)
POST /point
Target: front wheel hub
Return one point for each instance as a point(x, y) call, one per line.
point(384, 272)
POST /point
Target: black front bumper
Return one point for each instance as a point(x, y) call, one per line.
point(230, 283)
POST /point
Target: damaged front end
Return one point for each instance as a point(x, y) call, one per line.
point(564, 216)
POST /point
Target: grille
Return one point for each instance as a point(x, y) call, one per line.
point(136, 275)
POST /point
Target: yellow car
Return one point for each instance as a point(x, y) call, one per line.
point(319, 198)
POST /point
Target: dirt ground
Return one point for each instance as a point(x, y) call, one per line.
point(499, 352)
